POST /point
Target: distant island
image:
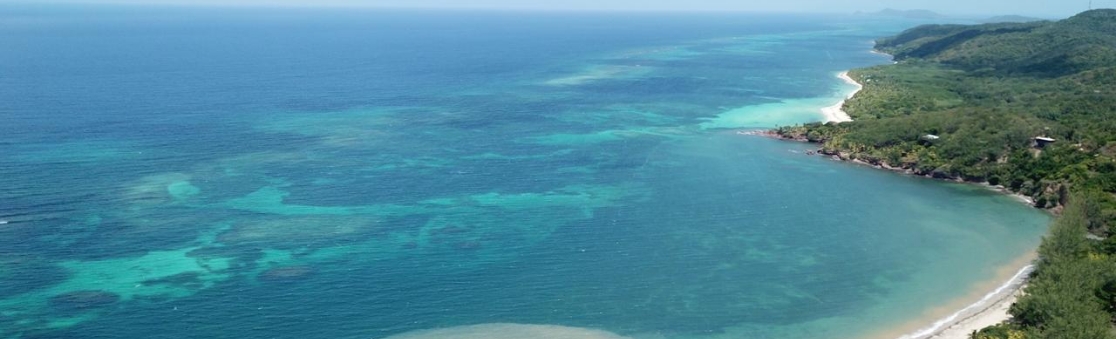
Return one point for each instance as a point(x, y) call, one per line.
point(924, 14)
point(1026, 106)
point(909, 14)
point(1010, 18)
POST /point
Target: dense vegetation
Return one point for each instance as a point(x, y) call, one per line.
point(1073, 294)
point(986, 91)
point(966, 103)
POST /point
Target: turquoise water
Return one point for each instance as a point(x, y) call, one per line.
point(272, 174)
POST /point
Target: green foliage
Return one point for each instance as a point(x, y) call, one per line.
point(986, 91)
point(1070, 46)
point(1070, 295)
point(1002, 331)
point(967, 102)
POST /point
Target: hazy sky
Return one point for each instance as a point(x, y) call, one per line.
point(1044, 8)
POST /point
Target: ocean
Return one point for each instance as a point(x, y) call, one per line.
point(310, 173)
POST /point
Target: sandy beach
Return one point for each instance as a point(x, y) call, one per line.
point(986, 305)
point(990, 310)
point(835, 113)
point(994, 314)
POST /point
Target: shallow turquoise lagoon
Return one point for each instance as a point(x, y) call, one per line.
point(368, 174)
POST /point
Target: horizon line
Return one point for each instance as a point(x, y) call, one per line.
point(332, 6)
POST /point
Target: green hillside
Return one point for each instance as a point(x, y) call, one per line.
point(967, 102)
point(1080, 43)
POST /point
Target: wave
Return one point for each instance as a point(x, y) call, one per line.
point(975, 308)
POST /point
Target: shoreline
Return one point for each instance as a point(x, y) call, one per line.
point(839, 156)
point(876, 164)
point(992, 309)
point(986, 304)
point(889, 56)
point(836, 113)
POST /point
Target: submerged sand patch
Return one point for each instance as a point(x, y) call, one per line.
point(296, 231)
point(159, 189)
point(600, 73)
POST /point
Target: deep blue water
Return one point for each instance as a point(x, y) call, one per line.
point(193, 173)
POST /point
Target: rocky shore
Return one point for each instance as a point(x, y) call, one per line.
point(907, 169)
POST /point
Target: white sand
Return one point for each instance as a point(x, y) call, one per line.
point(990, 310)
point(995, 314)
point(835, 113)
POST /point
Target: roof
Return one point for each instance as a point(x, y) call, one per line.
point(1044, 139)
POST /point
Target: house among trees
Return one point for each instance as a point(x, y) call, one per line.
point(928, 139)
point(1041, 142)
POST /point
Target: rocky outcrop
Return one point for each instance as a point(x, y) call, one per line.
point(1052, 197)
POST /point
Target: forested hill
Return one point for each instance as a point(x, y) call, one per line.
point(1083, 42)
point(985, 92)
point(1030, 106)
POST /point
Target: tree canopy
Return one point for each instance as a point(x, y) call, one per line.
point(1030, 106)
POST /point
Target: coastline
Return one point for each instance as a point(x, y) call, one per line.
point(986, 304)
point(836, 113)
point(892, 57)
point(906, 170)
